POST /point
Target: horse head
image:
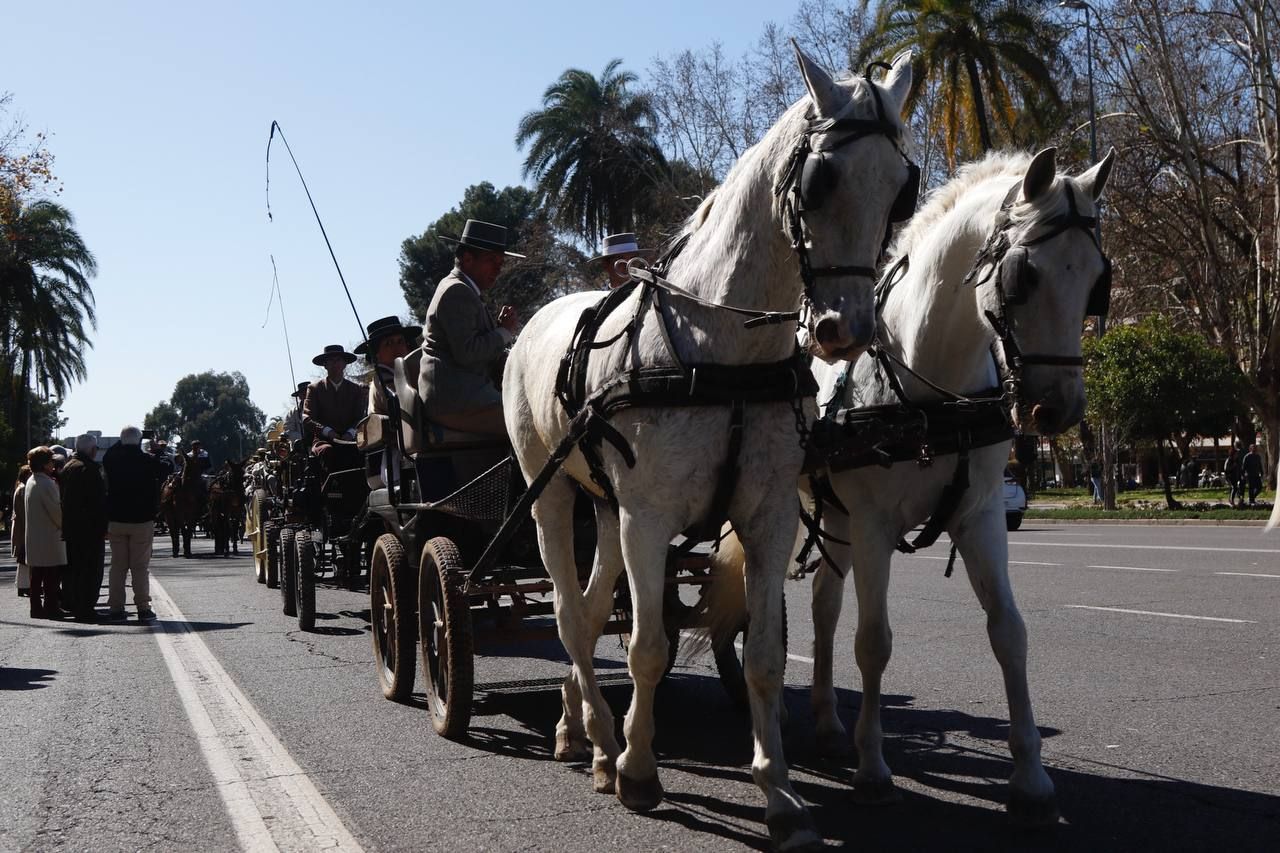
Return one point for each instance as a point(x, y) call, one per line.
point(1052, 274)
point(849, 180)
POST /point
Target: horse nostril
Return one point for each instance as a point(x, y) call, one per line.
point(828, 331)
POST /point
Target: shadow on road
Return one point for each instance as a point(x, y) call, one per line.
point(950, 758)
point(12, 678)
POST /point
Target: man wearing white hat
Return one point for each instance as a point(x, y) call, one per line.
point(615, 251)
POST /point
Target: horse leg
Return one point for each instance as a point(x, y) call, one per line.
point(767, 541)
point(187, 531)
point(571, 739)
point(983, 543)
point(172, 523)
point(645, 552)
point(872, 646)
point(828, 595)
point(554, 513)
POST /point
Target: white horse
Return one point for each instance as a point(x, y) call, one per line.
point(739, 252)
point(941, 325)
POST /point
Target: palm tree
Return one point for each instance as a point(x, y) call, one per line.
point(594, 153)
point(978, 53)
point(46, 303)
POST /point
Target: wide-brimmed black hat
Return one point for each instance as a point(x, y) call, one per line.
point(379, 329)
point(484, 236)
point(619, 245)
point(332, 350)
point(301, 390)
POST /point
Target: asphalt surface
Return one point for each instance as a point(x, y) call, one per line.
point(1161, 731)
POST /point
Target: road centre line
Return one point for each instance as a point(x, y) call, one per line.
point(1156, 613)
point(1132, 569)
point(1149, 547)
point(254, 774)
point(1247, 575)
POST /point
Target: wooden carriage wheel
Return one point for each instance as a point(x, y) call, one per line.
point(272, 536)
point(259, 509)
point(305, 585)
point(444, 631)
point(392, 597)
point(287, 570)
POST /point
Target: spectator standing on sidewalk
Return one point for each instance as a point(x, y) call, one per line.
point(46, 552)
point(84, 528)
point(1231, 471)
point(1252, 469)
point(18, 529)
point(133, 482)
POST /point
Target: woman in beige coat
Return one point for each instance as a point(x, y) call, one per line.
point(17, 531)
point(46, 552)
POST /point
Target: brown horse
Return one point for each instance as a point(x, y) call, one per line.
point(226, 508)
point(182, 504)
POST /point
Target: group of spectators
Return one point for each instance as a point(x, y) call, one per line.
point(63, 518)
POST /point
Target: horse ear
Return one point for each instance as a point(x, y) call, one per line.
point(828, 97)
point(1094, 181)
point(1040, 174)
point(897, 80)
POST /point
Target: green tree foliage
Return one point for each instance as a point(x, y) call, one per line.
point(215, 408)
point(550, 268)
point(593, 151)
point(46, 303)
point(990, 63)
point(1151, 382)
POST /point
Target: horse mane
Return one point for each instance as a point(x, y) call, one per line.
point(1006, 166)
point(943, 199)
point(778, 142)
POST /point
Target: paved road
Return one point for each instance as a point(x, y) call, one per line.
point(1155, 672)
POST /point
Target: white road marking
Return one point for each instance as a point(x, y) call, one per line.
point(1011, 562)
point(270, 800)
point(1132, 568)
point(1247, 575)
point(1156, 613)
point(1151, 547)
point(790, 656)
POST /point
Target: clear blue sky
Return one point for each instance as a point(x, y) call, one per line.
point(159, 114)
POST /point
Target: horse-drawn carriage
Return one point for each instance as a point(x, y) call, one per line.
point(311, 523)
point(458, 565)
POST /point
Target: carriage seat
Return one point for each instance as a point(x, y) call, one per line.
point(421, 434)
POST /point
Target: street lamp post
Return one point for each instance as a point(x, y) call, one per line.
point(1104, 446)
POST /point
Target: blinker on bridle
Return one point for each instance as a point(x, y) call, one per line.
point(1008, 264)
point(810, 178)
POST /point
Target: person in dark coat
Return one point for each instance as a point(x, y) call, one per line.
point(332, 409)
point(1251, 468)
point(464, 346)
point(133, 483)
point(84, 528)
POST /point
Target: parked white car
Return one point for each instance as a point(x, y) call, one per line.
point(1015, 501)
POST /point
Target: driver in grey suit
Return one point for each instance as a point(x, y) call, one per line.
point(463, 346)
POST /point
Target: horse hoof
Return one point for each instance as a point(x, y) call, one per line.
point(1033, 812)
point(883, 793)
point(572, 750)
point(793, 832)
point(639, 795)
point(603, 781)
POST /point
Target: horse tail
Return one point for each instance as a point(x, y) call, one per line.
point(1275, 506)
point(722, 606)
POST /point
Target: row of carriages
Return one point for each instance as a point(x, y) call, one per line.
point(449, 565)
